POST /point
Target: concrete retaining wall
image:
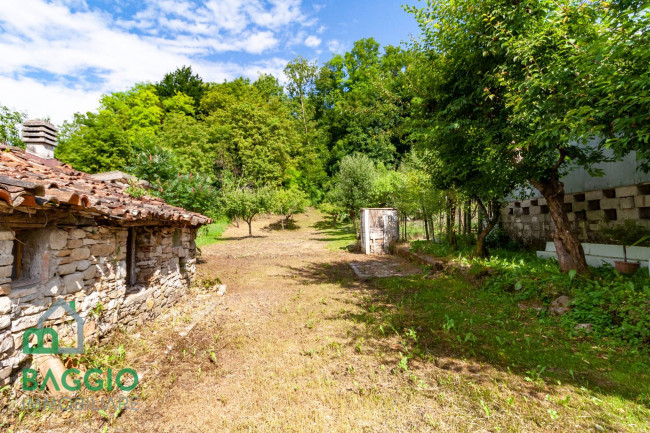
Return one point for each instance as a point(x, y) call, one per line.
point(599, 254)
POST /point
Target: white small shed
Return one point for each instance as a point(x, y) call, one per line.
point(379, 230)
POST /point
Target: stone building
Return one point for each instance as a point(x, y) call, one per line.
point(591, 202)
point(67, 235)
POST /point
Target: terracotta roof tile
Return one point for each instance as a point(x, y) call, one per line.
point(27, 183)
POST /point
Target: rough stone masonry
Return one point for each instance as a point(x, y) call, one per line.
point(66, 235)
point(88, 266)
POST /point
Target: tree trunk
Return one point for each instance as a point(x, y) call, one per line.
point(451, 237)
point(432, 228)
point(353, 217)
point(426, 226)
point(481, 250)
point(282, 222)
point(570, 254)
point(250, 227)
point(448, 221)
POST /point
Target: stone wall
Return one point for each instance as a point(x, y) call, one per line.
point(530, 222)
point(87, 265)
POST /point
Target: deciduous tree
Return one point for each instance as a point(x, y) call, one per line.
point(10, 121)
point(353, 185)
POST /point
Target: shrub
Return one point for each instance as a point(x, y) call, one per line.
point(499, 238)
point(617, 306)
point(192, 192)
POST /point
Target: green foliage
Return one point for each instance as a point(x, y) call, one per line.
point(193, 192)
point(514, 92)
point(333, 211)
point(136, 191)
point(627, 233)
point(620, 85)
point(188, 141)
point(362, 99)
point(486, 325)
point(442, 247)
point(152, 163)
point(311, 176)
point(180, 103)
point(615, 305)
point(288, 202)
point(109, 140)
point(10, 122)
point(181, 81)
point(526, 275)
point(354, 184)
point(499, 238)
point(251, 131)
point(459, 125)
point(247, 203)
point(414, 193)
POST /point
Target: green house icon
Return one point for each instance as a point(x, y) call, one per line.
point(40, 332)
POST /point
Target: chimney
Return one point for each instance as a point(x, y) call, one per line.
point(40, 138)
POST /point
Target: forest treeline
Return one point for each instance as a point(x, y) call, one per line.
point(490, 97)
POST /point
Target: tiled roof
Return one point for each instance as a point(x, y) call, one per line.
point(26, 183)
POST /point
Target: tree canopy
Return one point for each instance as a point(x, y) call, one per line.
point(494, 96)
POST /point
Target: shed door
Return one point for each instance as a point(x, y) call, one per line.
point(377, 231)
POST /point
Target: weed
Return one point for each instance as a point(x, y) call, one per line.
point(403, 363)
point(410, 333)
point(449, 323)
point(553, 414)
point(535, 374)
point(110, 418)
point(97, 311)
point(486, 409)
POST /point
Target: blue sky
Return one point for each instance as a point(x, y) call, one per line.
point(60, 56)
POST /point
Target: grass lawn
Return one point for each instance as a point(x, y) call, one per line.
point(211, 233)
point(575, 381)
point(337, 235)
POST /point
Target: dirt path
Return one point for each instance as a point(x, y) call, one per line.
point(281, 353)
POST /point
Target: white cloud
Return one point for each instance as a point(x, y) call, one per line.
point(59, 57)
point(55, 101)
point(335, 46)
point(313, 41)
